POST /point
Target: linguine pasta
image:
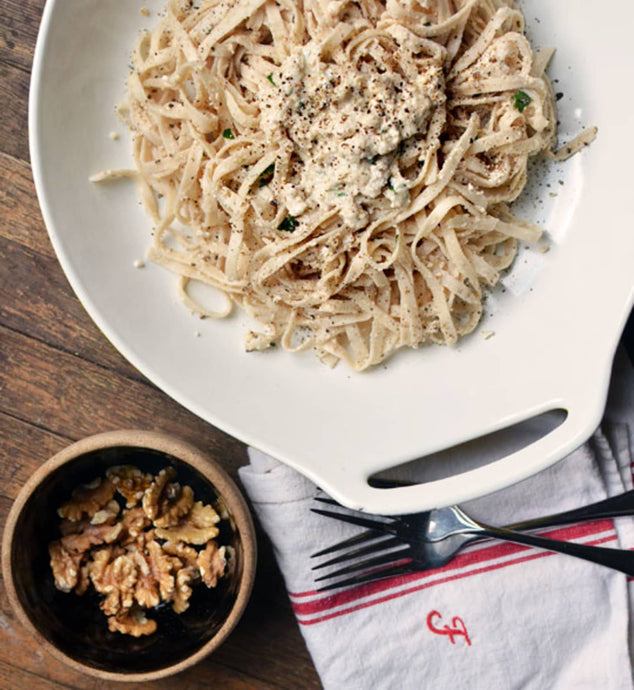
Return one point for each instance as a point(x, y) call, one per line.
point(340, 170)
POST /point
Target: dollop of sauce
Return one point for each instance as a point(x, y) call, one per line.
point(346, 125)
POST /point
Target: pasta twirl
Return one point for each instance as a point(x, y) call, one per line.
point(340, 170)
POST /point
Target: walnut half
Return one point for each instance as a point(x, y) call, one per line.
point(65, 565)
point(130, 482)
point(198, 527)
point(212, 562)
point(115, 576)
point(134, 623)
point(87, 500)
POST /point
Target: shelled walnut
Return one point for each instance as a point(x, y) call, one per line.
point(197, 527)
point(130, 482)
point(139, 540)
point(212, 563)
point(87, 500)
point(66, 566)
point(134, 623)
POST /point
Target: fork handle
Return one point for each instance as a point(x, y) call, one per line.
point(612, 507)
point(617, 559)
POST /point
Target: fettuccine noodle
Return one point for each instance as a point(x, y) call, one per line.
point(340, 170)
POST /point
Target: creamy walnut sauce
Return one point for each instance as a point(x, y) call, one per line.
point(347, 125)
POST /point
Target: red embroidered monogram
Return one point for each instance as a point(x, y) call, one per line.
point(458, 630)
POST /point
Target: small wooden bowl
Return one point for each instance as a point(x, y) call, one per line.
point(73, 628)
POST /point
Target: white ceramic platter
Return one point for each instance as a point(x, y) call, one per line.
point(556, 325)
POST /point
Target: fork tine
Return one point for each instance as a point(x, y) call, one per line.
point(382, 574)
point(384, 559)
point(378, 525)
point(384, 543)
point(356, 539)
point(329, 501)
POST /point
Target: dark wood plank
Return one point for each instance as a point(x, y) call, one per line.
point(19, 23)
point(36, 299)
point(14, 677)
point(20, 218)
point(14, 86)
point(23, 448)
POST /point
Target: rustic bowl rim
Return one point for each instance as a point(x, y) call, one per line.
point(181, 450)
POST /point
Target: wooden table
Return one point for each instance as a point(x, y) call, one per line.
point(61, 380)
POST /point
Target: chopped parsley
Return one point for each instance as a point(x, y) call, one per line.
point(228, 134)
point(521, 100)
point(270, 78)
point(266, 175)
point(289, 224)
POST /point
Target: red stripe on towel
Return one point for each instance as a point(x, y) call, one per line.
point(451, 578)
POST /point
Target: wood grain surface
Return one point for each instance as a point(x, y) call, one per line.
point(61, 380)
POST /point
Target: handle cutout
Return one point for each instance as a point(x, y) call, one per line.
point(473, 454)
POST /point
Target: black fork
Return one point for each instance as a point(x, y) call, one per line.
point(392, 546)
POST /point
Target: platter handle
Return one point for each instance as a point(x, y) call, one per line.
point(357, 493)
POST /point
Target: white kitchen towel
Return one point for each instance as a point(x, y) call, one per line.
point(499, 616)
